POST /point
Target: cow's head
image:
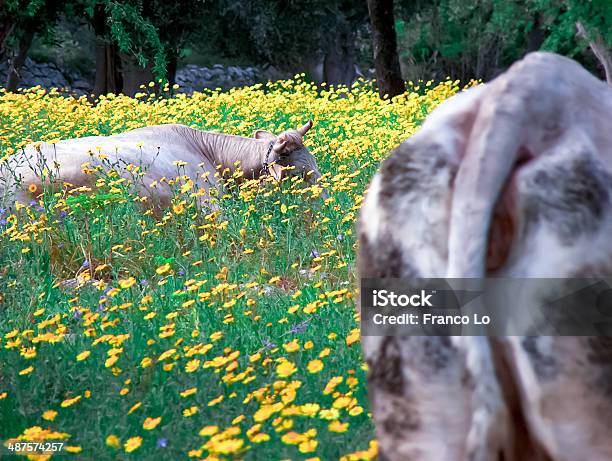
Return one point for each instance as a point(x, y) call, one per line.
point(289, 156)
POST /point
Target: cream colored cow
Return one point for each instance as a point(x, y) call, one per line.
point(156, 149)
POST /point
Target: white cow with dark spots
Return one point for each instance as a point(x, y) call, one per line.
point(509, 179)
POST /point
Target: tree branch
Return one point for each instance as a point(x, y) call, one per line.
point(599, 49)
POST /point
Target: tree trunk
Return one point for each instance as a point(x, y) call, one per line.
point(6, 27)
point(171, 69)
point(7, 24)
point(339, 61)
point(134, 75)
point(13, 76)
point(536, 36)
point(599, 49)
point(108, 78)
point(388, 74)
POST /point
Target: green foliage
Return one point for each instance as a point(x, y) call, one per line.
point(595, 15)
point(147, 30)
point(87, 203)
point(478, 38)
point(156, 31)
point(289, 34)
point(69, 45)
point(32, 17)
point(25, 8)
point(458, 38)
point(134, 34)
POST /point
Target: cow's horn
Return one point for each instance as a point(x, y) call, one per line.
point(302, 131)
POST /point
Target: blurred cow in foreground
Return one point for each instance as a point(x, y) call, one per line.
point(156, 150)
point(509, 179)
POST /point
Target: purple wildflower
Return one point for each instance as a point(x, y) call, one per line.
point(299, 327)
point(162, 443)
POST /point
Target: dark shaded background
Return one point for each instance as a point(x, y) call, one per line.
point(105, 46)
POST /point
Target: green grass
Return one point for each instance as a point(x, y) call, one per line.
point(275, 263)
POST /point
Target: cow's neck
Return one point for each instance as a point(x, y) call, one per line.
point(226, 150)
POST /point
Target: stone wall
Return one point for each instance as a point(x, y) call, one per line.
point(190, 78)
point(47, 75)
point(194, 78)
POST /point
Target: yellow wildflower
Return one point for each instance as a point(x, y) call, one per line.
point(315, 366)
point(26, 371)
point(285, 369)
point(163, 269)
point(49, 415)
point(188, 392)
point(151, 423)
point(187, 412)
point(337, 426)
point(127, 283)
point(208, 431)
point(132, 444)
point(83, 355)
point(113, 441)
point(70, 402)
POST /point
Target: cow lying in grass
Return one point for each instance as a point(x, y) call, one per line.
point(511, 179)
point(162, 151)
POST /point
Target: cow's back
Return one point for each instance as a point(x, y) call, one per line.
point(154, 149)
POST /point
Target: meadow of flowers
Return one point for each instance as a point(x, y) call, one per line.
point(192, 333)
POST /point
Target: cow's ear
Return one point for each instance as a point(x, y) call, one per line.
point(263, 134)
